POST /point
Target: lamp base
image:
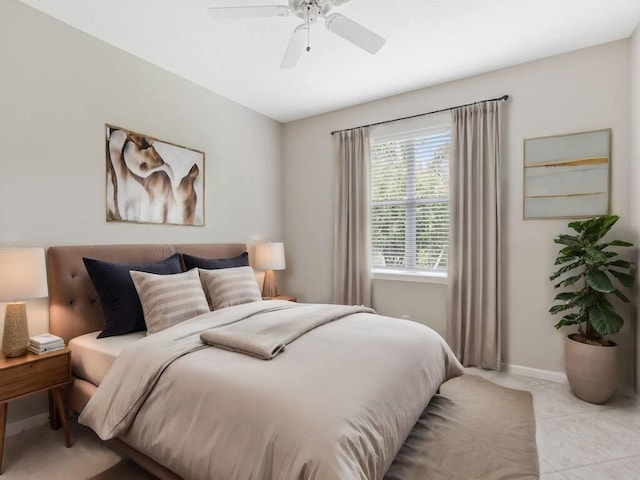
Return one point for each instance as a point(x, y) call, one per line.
point(15, 337)
point(269, 287)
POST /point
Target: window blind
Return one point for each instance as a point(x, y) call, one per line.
point(410, 199)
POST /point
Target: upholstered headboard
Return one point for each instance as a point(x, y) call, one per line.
point(74, 308)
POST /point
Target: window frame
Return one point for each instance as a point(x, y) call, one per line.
point(417, 127)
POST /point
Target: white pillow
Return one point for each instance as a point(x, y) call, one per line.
point(230, 286)
point(169, 299)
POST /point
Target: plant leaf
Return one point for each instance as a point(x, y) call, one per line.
point(619, 294)
point(569, 281)
point(569, 240)
point(565, 258)
point(565, 296)
point(626, 280)
point(593, 256)
point(566, 268)
point(620, 243)
point(561, 308)
point(604, 320)
point(599, 281)
point(578, 226)
point(619, 263)
point(598, 228)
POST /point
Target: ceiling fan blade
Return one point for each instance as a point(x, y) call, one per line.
point(295, 48)
point(354, 33)
point(256, 11)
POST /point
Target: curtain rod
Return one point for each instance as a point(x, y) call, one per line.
point(502, 98)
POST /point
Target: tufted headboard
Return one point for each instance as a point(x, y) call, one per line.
point(74, 308)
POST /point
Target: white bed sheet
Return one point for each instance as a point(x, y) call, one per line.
point(91, 357)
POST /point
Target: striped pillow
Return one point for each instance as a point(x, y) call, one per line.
point(169, 299)
point(230, 286)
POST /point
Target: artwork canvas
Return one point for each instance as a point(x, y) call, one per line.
point(153, 181)
point(567, 176)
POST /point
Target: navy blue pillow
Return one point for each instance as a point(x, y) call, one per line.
point(118, 295)
point(215, 263)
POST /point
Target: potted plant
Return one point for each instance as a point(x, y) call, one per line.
point(589, 273)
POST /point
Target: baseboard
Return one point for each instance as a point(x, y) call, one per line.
point(26, 424)
point(549, 375)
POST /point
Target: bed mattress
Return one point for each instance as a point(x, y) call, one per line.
point(91, 357)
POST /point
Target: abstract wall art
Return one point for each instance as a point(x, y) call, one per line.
point(567, 176)
point(152, 181)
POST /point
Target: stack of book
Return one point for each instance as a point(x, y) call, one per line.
point(45, 343)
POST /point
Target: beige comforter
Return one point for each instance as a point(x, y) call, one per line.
point(337, 404)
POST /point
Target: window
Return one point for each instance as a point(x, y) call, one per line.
point(410, 200)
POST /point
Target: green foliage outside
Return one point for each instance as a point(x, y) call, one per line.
point(411, 193)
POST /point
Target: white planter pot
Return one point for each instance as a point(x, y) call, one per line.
point(592, 370)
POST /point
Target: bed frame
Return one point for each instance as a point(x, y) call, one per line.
point(74, 308)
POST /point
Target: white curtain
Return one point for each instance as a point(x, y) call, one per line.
point(352, 264)
point(474, 249)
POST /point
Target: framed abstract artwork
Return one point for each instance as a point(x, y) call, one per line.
point(152, 181)
point(567, 176)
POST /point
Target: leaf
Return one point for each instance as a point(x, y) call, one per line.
point(619, 263)
point(571, 319)
point(566, 258)
point(620, 243)
point(569, 281)
point(569, 240)
point(593, 256)
point(560, 308)
point(578, 226)
point(599, 281)
point(599, 227)
point(626, 280)
point(604, 320)
point(619, 294)
point(564, 296)
point(565, 269)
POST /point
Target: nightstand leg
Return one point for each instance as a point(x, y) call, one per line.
point(3, 424)
point(54, 416)
point(57, 398)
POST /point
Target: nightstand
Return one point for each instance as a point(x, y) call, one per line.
point(289, 298)
point(31, 373)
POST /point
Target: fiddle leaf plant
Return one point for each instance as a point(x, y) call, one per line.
point(589, 273)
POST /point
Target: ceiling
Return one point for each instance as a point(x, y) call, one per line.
point(428, 42)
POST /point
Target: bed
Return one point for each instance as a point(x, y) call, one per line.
point(337, 403)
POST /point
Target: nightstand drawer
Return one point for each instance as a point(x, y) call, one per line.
point(30, 377)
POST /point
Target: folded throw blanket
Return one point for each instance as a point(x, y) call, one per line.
point(267, 335)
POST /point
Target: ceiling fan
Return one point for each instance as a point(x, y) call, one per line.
point(309, 11)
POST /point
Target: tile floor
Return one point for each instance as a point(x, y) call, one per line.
point(576, 441)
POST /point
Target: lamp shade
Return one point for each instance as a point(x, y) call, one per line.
point(270, 256)
point(23, 274)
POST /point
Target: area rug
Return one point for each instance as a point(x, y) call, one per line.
point(474, 429)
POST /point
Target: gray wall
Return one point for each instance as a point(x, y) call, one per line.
point(634, 176)
point(583, 90)
point(59, 88)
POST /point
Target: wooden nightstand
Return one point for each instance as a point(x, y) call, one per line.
point(289, 298)
point(30, 373)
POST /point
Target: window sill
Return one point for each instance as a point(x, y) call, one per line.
point(409, 276)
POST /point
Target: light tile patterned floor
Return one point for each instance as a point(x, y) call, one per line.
point(576, 441)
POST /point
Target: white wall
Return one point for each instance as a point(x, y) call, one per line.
point(583, 90)
point(58, 88)
point(634, 176)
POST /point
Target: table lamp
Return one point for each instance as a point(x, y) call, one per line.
point(270, 257)
point(23, 275)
